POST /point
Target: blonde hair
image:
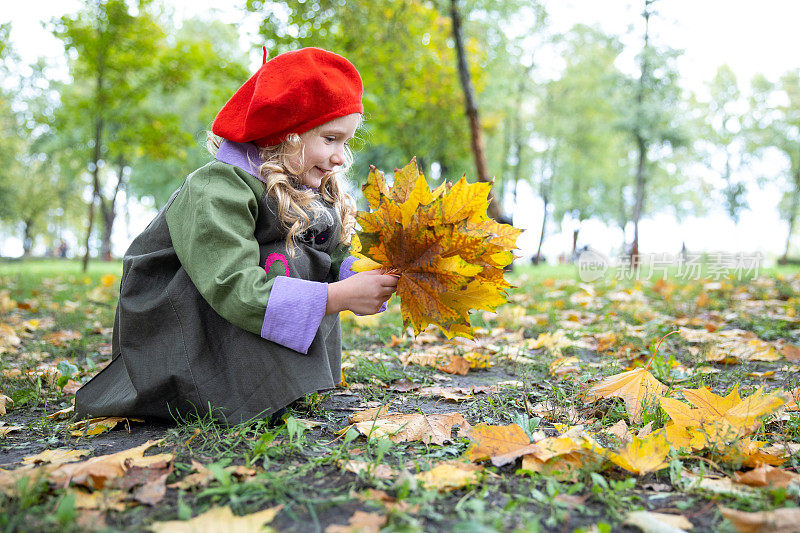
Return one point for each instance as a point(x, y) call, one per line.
point(298, 206)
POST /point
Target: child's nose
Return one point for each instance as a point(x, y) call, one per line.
point(337, 158)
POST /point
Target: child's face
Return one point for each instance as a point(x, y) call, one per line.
point(324, 148)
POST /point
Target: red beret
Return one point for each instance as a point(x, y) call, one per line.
point(291, 93)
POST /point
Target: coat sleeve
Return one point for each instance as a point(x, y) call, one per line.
point(212, 224)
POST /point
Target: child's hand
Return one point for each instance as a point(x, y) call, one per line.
point(363, 293)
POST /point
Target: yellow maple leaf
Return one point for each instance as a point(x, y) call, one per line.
point(448, 254)
point(718, 420)
point(219, 519)
point(492, 441)
point(641, 456)
point(450, 475)
point(636, 387)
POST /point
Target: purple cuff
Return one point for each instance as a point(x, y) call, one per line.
point(294, 312)
point(344, 269)
point(345, 272)
point(242, 155)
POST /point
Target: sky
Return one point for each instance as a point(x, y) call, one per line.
point(750, 37)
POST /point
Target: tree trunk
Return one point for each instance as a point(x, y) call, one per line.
point(641, 143)
point(96, 193)
point(109, 210)
point(638, 204)
point(793, 207)
point(472, 109)
point(27, 240)
point(545, 194)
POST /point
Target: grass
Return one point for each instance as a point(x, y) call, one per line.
point(300, 466)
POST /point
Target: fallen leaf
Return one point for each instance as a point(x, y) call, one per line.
point(95, 426)
point(767, 476)
point(62, 414)
point(6, 429)
point(96, 472)
point(564, 365)
point(376, 470)
point(219, 519)
point(785, 520)
point(791, 352)
point(635, 387)
point(101, 500)
point(430, 429)
point(5, 403)
point(370, 414)
point(61, 338)
point(360, 522)
point(478, 360)
point(450, 475)
point(718, 485)
point(650, 522)
point(641, 456)
point(619, 430)
point(489, 442)
point(57, 457)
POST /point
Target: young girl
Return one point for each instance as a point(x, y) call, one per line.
point(229, 299)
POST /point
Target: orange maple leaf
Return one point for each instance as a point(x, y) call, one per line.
point(636, 387)
point(448, 254)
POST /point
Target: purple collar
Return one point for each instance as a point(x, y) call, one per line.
point(242, 155)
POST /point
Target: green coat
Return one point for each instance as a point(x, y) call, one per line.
point(193, 331)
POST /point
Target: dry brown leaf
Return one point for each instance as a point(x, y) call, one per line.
point(791, 352)
point(650, 522)
point(5, 403)
point(58, 456)
point(723, 485)
point(96, 472)
point(767, 476)
point(62, 414)
point(785, 520)
point(95, 426)
point(61, 338)
point(6, 429)
point(219, 519)
point(376, 470)
point(360, 522)
point(371, 414)
point(101, 500)
point(450, 475)
point(390, 503)
point(635, 387)
point(619, 430)
point(201, 476)
point(430, 429)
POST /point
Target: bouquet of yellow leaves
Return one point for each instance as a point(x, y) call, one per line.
point(448, 254)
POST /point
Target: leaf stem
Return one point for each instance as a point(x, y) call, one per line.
point(650, 362)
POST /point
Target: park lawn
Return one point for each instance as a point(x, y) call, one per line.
point(532, 364)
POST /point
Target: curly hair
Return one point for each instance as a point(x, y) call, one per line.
point(298, 206)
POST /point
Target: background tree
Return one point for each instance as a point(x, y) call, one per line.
point(721, 139)
point(577, 119)
point(653, 115)
point(774, 126)
point(112, 51)
point(204, 65)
